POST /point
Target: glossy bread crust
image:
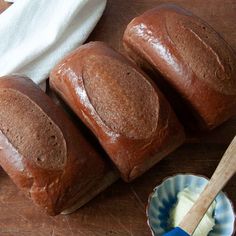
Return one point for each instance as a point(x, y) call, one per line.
point(193, 59)
point(43, 152)
point(120, 104)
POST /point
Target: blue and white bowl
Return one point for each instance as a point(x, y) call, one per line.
point(164, 196)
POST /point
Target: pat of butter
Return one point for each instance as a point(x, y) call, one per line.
point(186, 199)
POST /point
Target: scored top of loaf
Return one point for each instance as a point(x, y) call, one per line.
point(125, 100)
point(29, 129)
point(207, 54)
point(178, 42)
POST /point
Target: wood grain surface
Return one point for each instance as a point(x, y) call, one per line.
point(120, 210)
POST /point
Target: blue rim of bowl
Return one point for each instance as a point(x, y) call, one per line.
point(172, 176)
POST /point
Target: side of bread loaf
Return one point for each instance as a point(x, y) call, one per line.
point(123, 108)
point(43, 152)
point(193, 59)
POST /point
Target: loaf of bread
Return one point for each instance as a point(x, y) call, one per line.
point(44, 153)
point(120, 104)
point(193, 59)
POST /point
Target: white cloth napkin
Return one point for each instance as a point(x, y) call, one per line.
point(36, 34)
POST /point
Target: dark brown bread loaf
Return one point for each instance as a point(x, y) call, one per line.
point(43, 152)
point(193, 59)
point(124, 109)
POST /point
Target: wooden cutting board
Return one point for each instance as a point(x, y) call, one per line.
point(120, 210)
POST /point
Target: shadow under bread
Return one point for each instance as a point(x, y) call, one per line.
point(194, 127)
point(185, 113)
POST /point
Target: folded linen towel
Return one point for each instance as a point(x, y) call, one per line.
point(35, 35)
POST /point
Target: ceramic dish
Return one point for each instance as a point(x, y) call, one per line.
point(164, 196)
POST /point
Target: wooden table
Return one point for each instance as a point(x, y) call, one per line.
point(120, 210)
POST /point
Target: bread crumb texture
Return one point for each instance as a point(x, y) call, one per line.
point(123, 98)
point(199, 45)
point(29, 129)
